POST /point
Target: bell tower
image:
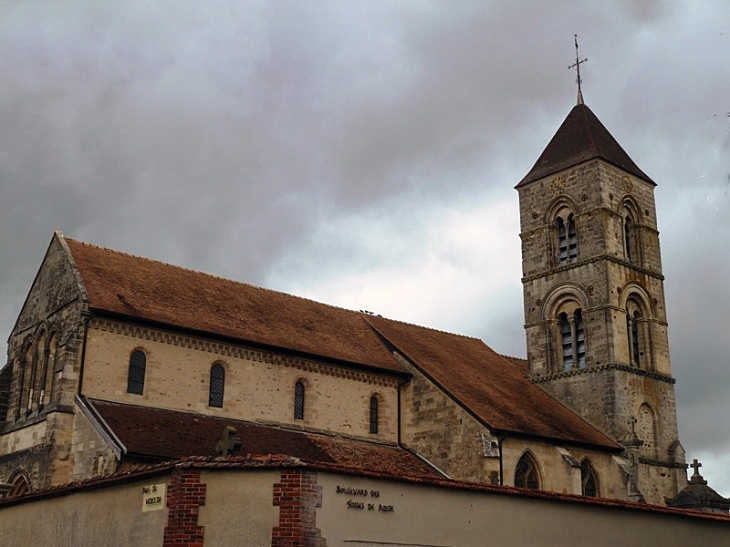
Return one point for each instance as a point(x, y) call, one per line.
point(595, 316)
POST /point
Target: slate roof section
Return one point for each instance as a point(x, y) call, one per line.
point(493, 388)
point(157, 434)
point(142, 289)
point(580, 138)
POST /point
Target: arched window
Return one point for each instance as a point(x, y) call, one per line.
point(26, 365)
point(645, 429)
point(588, 479)
point(135, 375)
point(39, 359)
point(628, 238)
point(638, 332)
point(21, 485)
point(217, 385)
point(527, 474)
point(299, 401)
point(567, 240)
point(572, 340)
point(46, 379)
point(632, 328)
point(373, 414)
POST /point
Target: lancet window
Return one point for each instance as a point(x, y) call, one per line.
point(299, 401)
point(374, 418)
point(136, 372)
point(527, 474)
point(217, 385)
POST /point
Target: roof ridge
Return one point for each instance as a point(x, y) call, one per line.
point(432, 329)
point(218, 277)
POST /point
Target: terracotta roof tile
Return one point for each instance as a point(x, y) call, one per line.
point(580, 138)
point(148, 290)
point(153, 433)
point(495, 389)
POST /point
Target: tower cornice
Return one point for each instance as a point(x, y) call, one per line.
point(593, 259)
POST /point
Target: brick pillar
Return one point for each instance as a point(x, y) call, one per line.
point(297, 496)
point(185, 495)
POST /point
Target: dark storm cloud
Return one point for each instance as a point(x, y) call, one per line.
point(364, 153)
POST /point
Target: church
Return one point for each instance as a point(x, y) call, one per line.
point(128, 379)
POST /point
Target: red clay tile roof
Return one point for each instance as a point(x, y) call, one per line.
point(144, 289)
point(493, 388)
point(155, 433)
point(581, 137)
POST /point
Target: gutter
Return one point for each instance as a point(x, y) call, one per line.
point(101, 427)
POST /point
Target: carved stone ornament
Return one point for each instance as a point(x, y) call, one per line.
point(627, 184)
point(557, 185)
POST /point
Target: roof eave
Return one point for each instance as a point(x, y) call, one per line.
point(364, 367)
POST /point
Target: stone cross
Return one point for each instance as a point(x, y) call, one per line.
point(228, 443)
point(696, 466)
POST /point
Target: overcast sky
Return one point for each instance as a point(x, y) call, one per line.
point(364, 154)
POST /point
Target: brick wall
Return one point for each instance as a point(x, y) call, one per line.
point(185, 495)
point(298, 496)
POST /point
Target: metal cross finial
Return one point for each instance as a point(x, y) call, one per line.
point(576, 66)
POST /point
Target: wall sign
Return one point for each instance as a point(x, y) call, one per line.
point(360, 499)
point(153, 497)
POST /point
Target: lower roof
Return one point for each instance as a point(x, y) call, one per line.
point(157, 434)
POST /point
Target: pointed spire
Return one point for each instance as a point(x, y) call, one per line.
point(576, 66)
point(581, 137)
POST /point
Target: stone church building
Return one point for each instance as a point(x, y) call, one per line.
point(122, 368)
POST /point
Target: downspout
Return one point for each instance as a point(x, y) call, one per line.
point(501, 469)
point(400, 413)
point(86, 318)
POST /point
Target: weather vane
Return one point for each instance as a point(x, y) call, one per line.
point(576, 66)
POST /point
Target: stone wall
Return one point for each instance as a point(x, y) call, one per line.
point(443, 432)
point(427, 515)
point(259, 385)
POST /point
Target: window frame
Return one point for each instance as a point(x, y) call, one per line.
point(374, 414)
point(299, 400)
point(527, 472)
point(216, 385)
point(136, 372)
point(588, 479)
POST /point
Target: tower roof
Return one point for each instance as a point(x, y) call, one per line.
point(580, 138)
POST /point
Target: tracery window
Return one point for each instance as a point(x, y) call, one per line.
point(136, 372)
point(217, 385)
point(527, 474)
point(374, 414)
point(572, 340)
point(21, 485)
point(567, 240)
point(299, 401)
point(588, 479)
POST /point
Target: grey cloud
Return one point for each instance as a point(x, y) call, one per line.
point(238, 139)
